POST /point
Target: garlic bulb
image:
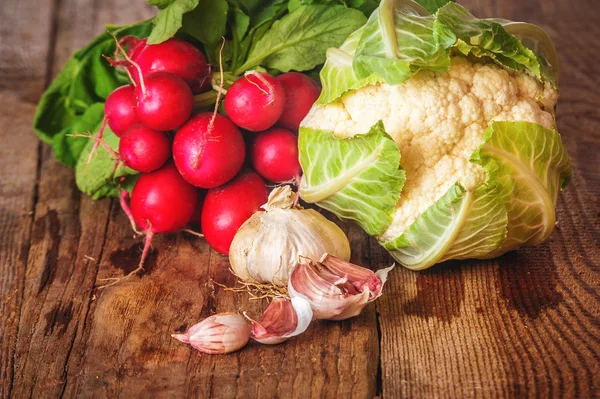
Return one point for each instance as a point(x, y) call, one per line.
point(269, 244)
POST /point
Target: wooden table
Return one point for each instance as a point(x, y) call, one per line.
point(526, 324)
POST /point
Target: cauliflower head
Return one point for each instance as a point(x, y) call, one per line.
point(479, 162)
point(438, 120)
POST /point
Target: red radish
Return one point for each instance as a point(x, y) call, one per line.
point(143, 149)
point(255, 101)
point(161, 202)
point(119, 109)
point(174, 56)
point(164, 101)
point(226, 208)
point(274, 155)
point(208, 157)
point(119, 114)
point(301, 92)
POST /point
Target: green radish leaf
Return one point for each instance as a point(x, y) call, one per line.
point(267, 11)
point(298, 41)
point(54, 113)
point(86, 80)
point(69, 148)
point(254, 8)
point(368, 6)
point(293, 5)
point(358, 4)
point(353, 3)
point(160, 4)
point(241, 23)
point(99, 178)
point(260, 25)
point(170, 19)
point(357, 179)
point(261, 20)
point(249, 6)
point(208, 23)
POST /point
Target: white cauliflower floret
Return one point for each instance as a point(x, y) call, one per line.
point(438, 120)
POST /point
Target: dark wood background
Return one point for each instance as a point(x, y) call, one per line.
point(524, 325)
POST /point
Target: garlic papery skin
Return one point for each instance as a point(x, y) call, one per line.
point(218, 334)
point(336, 289)
point(283, 319)
point(268, 245)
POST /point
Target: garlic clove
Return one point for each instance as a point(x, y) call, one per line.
point(326, 299)
point(218, 334)
point(358, 277)
point(278, 320)
point(336, 289)
point(283, 319)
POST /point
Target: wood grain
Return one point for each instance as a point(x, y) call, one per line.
point(67, 239)
point(97, 343)
point(22, 78)
point(528, 323)
point(524, 325)
point(130, 325)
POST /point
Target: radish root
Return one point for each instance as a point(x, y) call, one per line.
point(192, 232)
point(132, 63)
point(220, 91)
point(98, 142)
point(264, 81)
point(123, 200)
point(147, 246)
point(116, 63)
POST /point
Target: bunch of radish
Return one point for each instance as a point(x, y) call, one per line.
point(204, 168)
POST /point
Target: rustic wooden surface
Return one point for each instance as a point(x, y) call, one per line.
point(524, 325)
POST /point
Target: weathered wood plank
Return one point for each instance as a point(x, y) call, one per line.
point(67, 239)
point(129, 351)
point(122, 347)
point(23, 73)
point(329, 360)
point(525, 324)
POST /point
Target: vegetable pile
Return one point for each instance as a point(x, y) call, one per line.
point(146, 97)
point(436, 134)
point(434, 131)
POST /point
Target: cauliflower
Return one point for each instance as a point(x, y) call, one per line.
point(442, 142)
point(438, 120)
